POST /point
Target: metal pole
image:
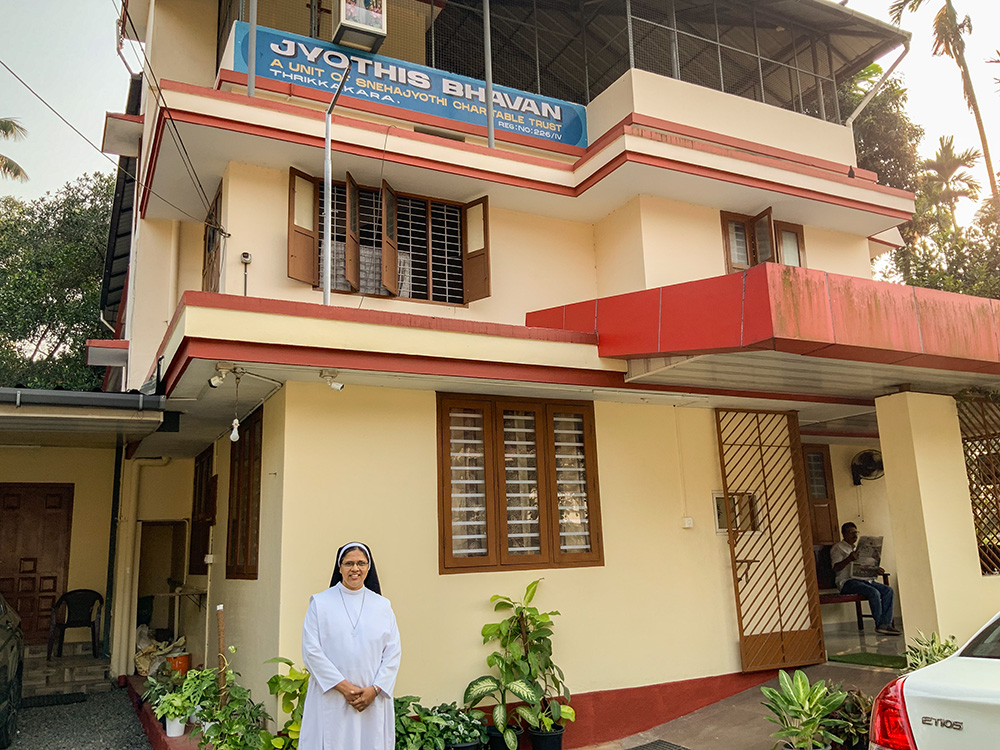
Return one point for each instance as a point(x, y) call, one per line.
point(252, 50)
point(488, 54)
point(328, 190)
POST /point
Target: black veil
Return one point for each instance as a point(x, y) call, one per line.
point(371, 582)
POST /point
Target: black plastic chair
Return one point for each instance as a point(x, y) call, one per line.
point(80, 613)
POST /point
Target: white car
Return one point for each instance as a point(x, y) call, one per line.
point(951, 705)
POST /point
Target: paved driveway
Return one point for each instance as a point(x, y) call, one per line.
point(105, 721)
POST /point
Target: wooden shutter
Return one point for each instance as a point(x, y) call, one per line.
point(352, 244)
point(763, 237)
point(520, 444)
point(572, 483)
point(303, 227)
point(819, 491)
point(390, 252)
point(476, 249)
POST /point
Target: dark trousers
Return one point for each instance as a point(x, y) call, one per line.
point(879, 598)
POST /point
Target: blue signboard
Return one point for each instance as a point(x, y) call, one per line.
point(301, 60)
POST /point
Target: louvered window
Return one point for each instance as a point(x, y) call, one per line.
point(518, 484)
point(430, 243)
point(750, 240)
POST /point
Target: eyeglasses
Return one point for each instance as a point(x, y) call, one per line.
point(354, 564)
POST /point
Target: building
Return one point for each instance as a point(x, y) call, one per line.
point(631, 345)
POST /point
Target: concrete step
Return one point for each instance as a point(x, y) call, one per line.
point(68, 674)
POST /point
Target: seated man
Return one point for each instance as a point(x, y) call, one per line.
point(879, 596)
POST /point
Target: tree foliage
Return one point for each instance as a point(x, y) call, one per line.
point(51, 265)
point(12, 130)
point(885, 138)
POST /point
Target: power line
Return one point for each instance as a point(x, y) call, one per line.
point(98, 150)
point(172, 129)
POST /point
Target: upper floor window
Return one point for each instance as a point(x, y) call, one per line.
point(518, 483)
point(387, 243)
point(750, 240)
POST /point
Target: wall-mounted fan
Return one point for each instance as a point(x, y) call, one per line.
point(867, 465)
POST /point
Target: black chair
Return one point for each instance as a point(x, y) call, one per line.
point(81, 612)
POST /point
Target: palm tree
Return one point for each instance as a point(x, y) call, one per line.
point(948, 41)
point(11, 129)
point(945, 178)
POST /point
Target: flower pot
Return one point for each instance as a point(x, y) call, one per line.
point(465, 746)
point(551, 740)
point(175, 727)
point(495, 740)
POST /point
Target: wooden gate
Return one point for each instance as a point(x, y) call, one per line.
point(980, 422)
point(770, 540)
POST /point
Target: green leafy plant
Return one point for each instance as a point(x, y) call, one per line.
point(453, 725)
point(856, 713)
point(235, 721)
point(201, 689)
point(803, 711)
point(409, 729)
point(524, 668)
point(161, 682)
point(291, 692)
point(172, 706)
point(926, 650)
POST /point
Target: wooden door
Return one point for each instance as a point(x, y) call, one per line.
point(34, 551)
point(819, 490)
point(770, 539)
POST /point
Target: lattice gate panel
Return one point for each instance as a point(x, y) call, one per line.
point(770, 539)
point(980, 421)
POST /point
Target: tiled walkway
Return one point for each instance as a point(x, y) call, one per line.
point(738, 723)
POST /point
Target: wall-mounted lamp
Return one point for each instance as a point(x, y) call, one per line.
point(330, 376)
point(222, 369)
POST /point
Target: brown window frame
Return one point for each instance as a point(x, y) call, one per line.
point(832, 532)
point(211, 268)
point(203, 507)
point(498, 556)
point(243, 523)
point(303, 243)
point(774, 229)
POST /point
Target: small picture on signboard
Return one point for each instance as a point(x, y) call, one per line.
point(366, 13)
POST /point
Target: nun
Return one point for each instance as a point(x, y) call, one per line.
point(350, 645)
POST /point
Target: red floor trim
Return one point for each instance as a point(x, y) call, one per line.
point(608, 715)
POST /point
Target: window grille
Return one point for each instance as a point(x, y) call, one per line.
point(980, 424)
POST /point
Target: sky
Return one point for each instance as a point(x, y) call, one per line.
point(65, 50)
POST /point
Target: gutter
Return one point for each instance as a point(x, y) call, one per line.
point(96, 399)
point(875, 89)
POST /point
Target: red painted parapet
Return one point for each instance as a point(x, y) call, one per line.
point(795, 310)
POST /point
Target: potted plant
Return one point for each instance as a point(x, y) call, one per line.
point(856, 713)
point(201, 690)
point(526, 670)
point(235, 722)
point(409, 729)
point(803, 711)
point(927, 649)
point(164, 680)
point(291, 692)
point(175, 708)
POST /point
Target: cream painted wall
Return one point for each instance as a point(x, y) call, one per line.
point(700, 107)
point(190, 259)
point(181, 40)
point(151, 267)
point(681, 242)
point(536, 262)
point(380, 487)
point(941, 586)
point(618, 247)
point(165, 492)
point(252, 607)
point(837, 252)
point(91, 472)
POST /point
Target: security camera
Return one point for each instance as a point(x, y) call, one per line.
point(330, 377)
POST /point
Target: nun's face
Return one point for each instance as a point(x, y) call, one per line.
point(354, 569)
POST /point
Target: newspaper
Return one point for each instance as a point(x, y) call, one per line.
point(869, 551)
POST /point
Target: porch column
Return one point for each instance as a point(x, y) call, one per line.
point(931, 515)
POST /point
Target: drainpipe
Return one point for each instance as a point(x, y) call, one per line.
point(488, 60)
point(252, 50)
point(116, 491)
point(123, 637)
point(875, 89)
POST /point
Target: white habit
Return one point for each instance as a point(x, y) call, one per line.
point(349, 635)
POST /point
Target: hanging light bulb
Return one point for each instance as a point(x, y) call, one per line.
point(235, 434)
